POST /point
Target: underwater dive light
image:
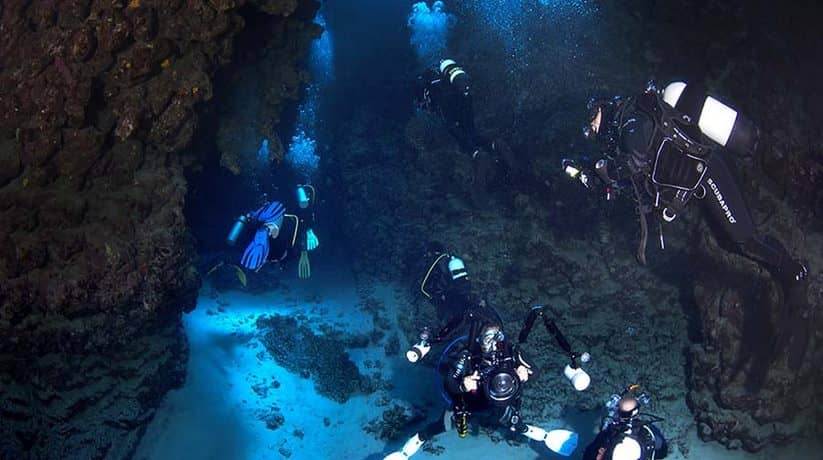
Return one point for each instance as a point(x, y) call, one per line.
point(579, 379)
point(420, 349)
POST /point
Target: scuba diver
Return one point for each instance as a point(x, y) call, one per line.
point(626, 433)
point(446, 283)
point(665, 147)
point(447, 93)
point(279, 233)
point(483, 375)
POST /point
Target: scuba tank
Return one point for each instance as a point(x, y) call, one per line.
point(719, 122)
point(455, 74)
point(236, 230)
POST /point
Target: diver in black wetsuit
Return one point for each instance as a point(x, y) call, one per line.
point(626, 433)
point(483, 374)
point(665, 148)
point(447, 93)
point(445, 283)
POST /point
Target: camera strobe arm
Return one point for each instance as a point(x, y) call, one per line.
point(539, 311)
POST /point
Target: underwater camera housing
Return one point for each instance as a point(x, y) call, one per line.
point(456, 75)
point(716, 120)
point(501, 385)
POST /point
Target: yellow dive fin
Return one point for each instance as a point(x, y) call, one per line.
point(241, 275)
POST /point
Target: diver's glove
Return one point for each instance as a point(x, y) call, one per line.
point(311, 240)
point(561, 442)
point(469, 384)
point(257, 251)
point(303, 267)
point(410, 448)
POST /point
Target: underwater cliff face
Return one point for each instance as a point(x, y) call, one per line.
point(99, 100)
point(712, 318)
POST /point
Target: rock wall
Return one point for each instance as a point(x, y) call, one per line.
point(98, 101)
point(700, 322)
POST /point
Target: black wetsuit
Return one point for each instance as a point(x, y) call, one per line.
point(450, 297)
point(650, 438)
point(292, 237)
point(477, 405)
point(436, 94)
point(632, 149)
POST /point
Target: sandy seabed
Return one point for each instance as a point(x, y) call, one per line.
point(217, 413)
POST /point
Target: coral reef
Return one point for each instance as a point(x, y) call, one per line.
point(393, 422)
point(98, 100)
point(320, 357)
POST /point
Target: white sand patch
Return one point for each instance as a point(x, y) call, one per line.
point(216, 415)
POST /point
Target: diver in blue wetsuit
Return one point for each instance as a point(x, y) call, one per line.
point(279, 235)
point(664, 148)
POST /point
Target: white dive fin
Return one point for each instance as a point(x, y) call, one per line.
point(561, 442)
point(410, 448)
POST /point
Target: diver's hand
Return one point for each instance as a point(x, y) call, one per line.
point(470, 382)
point(523, 373)
point(303, 267)
point(311, 240)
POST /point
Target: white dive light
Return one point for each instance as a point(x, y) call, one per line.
point(418, 351)
point(718, 121)
point(579, 379)
point(571, 171)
